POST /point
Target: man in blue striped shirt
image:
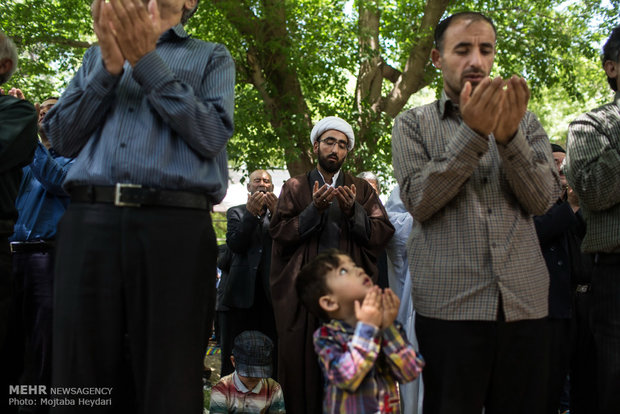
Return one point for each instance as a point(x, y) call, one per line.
point(148, 116)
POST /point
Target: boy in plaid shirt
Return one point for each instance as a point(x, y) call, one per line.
point(249, 390)
point(362, 351)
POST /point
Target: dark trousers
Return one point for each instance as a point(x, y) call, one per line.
point(134, 288)
point(232, 322)
point(501, 366)
point(6, 286)
point(606, 330)
point(11, 353)
point(559, 353)
point(34, 276)
point(583, 388)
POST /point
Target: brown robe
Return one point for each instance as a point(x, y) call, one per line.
point(298, 230)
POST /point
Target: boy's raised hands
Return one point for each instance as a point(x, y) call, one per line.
point(370, 310)
point(378, 309)
point(391, 303)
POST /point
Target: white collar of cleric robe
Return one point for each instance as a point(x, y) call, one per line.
point(334, 178)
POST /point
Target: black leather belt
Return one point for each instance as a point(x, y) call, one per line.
point(133, 195)
point(39, 246)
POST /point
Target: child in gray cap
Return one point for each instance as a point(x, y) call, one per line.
point(249, 389)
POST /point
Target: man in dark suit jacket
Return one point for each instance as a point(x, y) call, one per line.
point(560, 231)
point(245, 289)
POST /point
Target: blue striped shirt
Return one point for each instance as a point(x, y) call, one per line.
point(163, 123)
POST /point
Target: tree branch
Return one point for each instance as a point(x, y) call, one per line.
point(390, 73)
point(255, 74)
point(47, 40)
point(412, 78)
point(369, 77)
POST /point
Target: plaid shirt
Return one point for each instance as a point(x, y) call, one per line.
point(362, 366)
point(593, 170)
point(229, 395)
point(473, 200)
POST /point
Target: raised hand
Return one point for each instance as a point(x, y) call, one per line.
point(482, 110)
point(322, 197)
point(256, 203)
point(17, 93)
point(346, 199)
point(391, 303)
point(271, 201)
point(113, 58)
point(513, 109)
point(370, 310)
point(573, 199)
point(135, 27)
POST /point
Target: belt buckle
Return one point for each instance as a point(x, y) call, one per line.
point(12, 247)
point(582, 288)
point(118, 193)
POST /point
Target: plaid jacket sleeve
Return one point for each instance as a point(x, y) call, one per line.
point(593, 158)
point(405, 363)
point(529, 167)
point(346, 363)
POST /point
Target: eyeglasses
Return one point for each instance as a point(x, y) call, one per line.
point(331, 141)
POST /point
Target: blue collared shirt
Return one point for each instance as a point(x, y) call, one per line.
point(41, 201)
point(163, 123)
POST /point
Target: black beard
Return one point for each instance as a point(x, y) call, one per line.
point(330, 168)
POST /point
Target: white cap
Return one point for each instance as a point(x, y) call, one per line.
point(335, 123)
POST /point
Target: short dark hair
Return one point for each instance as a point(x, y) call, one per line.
point(188, 13)
point(611, 51)
point(443, 25)
point(311, 281)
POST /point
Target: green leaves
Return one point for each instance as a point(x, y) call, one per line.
point(299, 60)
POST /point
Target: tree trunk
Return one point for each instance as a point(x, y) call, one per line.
point(267, 68)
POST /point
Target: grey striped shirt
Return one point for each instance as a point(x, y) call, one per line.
point(164, 123)
point(593, 171)
point(473, 200)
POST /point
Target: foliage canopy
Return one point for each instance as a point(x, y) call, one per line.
point(364, 60)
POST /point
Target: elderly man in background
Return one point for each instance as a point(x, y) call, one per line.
point(245, 287)
point(324, 208)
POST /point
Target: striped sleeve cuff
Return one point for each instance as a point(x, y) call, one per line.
point(152, 72)
point(102, 81)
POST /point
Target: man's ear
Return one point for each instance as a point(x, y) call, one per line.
point(315, 147)
point(6, 65)
point(190, 4)
point(232, 360)
point(328, 304)
point(611, 69)
point(436, 58)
